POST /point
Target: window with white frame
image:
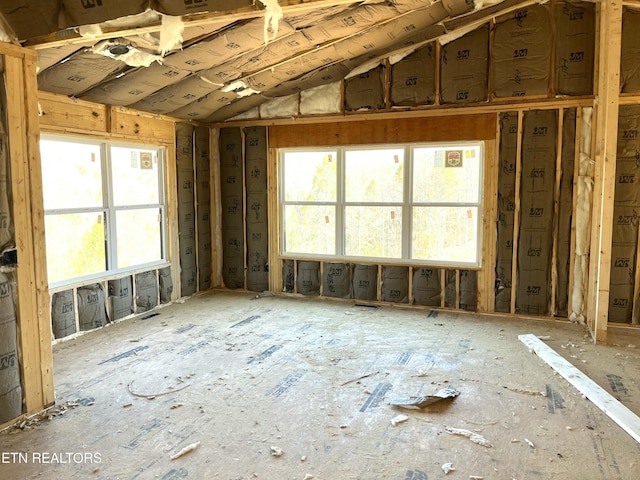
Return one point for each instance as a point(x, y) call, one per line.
point(104, 207)
point(416, 204)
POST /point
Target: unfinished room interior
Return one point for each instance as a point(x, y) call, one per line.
point(314, 239)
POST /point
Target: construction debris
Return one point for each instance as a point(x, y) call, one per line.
point(185, 450)
point(360, 378)
point(447, 467)
point(530, 443)
point(398, 419)
point(154, 395)
point(276, 451)
point(474, 437)
point(417, 403)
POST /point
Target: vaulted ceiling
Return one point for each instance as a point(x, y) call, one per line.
point(210, 60)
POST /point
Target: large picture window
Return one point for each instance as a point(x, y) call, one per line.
point(418, 204)
point(104, 207)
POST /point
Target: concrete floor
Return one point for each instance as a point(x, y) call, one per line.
point(244, 377)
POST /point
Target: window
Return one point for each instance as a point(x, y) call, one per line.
point(104, 207)
point(417, 204)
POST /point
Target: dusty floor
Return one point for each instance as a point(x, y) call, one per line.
point(246, 375)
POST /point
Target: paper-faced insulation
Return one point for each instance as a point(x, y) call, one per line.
point(256, 215)
point(231, 192)
point(10, 384)
point(537, 191)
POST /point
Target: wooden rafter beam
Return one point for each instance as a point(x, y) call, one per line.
point(215, 20)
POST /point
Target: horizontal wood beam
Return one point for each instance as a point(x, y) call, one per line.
point(469, 127)
point(422, 112)
point(215, 19)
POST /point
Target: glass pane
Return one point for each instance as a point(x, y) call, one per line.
point(374, 175)
point(135, 176)
point(447, 234)
point(310, 229)
point(75, 245)
point(450, 174)
point(138, 236)
point(373, 231)
point(71, 175)
point(310, 176)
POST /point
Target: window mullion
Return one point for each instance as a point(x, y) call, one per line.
point(340, 202)
point(406, 207)
point(111, 241)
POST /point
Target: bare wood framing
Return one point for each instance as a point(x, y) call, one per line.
point(34, 316)
point(171, 212)
point(514, 104)
point(486, 276)
point(457, 302)
point(275, 262)
point(387, 84)
point(70, 36)
point(556, 210)
point(492, 34)
point(410, 292)
point(443, 286)
point(37, 218)
point(636, 285)
point(216, 209)
point(576, 175)
point(552, 67)
point(245, 254)
point(15, 51)
point(468, 127)
point(610, 21)
point(196, 206)
point(438, 49)
point(516, 215)
point(60, 114)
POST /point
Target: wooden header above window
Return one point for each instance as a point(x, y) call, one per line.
point(401, 130)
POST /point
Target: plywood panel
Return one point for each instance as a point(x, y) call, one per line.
point(450, 128)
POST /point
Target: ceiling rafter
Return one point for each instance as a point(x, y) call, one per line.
point(215, 19)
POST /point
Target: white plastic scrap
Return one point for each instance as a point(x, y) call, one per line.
point(276, 451)
point(529, 442)
point(398, 419)
point(474, 437)
point(447, 467)
point(185, 450)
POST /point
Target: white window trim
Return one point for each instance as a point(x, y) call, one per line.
point(407, 206)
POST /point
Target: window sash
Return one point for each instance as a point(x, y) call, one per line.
point(407, 208)
point(109, 211)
